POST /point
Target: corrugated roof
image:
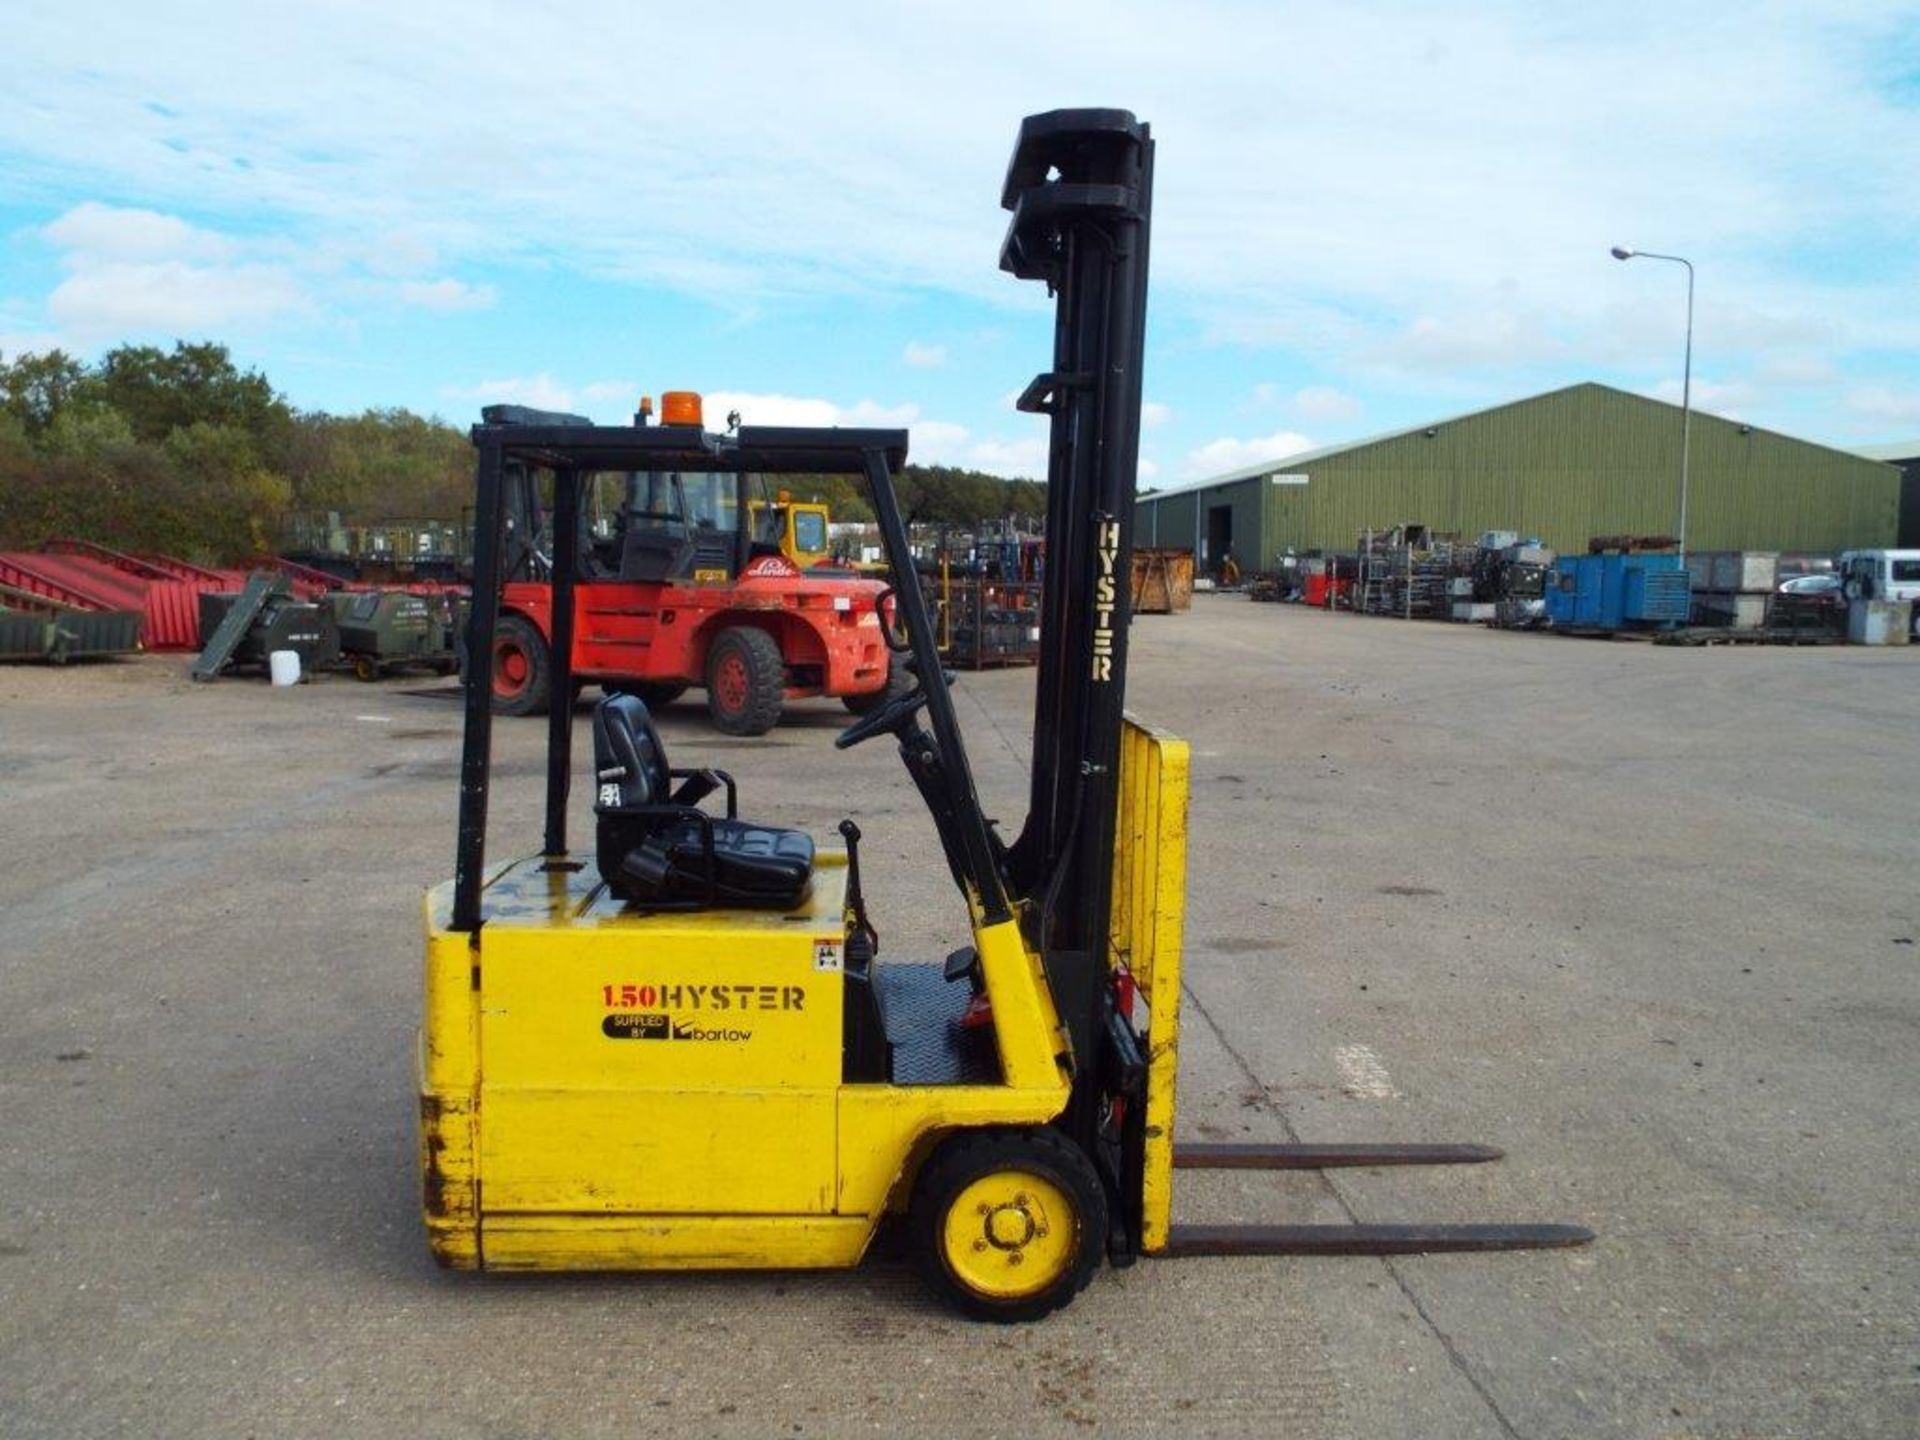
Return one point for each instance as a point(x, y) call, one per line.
point(1897, 450)
point(1300, 460)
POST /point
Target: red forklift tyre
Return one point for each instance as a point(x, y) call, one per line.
point(1008, 1225)
point(746, 681)
point(899, 681)
point(521, 675)
point(655, 692)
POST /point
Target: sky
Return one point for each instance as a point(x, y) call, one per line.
point(1367, 215)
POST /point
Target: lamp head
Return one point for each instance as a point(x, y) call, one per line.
point(1622, 252)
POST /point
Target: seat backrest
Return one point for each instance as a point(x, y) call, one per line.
point(629, 762)
point(656, 550)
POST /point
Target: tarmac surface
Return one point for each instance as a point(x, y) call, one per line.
point(1645, 918)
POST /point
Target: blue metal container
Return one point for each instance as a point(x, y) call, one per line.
point(1612, 592)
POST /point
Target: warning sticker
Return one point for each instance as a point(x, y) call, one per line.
point(826, 955)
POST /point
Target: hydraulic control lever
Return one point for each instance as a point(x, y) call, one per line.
point(863, 941)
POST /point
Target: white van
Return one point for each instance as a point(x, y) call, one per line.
point(1883, 575)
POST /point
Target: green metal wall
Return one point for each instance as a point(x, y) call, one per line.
point(1169, 525)
point(1566, 466)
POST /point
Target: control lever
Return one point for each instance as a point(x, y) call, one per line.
point(863, 941)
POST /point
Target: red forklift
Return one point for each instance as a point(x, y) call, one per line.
point(682, 582)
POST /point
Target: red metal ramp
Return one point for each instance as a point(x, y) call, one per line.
point(169, 607)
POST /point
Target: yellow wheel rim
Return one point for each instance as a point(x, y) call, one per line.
point(1010, 1235)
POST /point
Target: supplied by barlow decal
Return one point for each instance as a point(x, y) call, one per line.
point(639, 1012)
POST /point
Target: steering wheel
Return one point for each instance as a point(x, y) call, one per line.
point(891, 716)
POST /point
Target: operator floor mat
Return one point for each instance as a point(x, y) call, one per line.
point(921, 1009)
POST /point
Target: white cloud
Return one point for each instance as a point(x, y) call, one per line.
point(1493, 338)
point(1024, 459)
point(924, 357)
point(1434, 200)
point(112, 300)
point(875, 416)
point(1885, 405)
point(445, 294)
point(132, 273)
point(401, 253)
point(109, 232)
point(1716, 397)
point(629, 391)
point(1217, 457)
point(1323, 403)
point(938, 442)
point(541, 392)
point(1148, 470)
point(776, 409)
point(1791, 368)
point(16, 343)
point(1154, 413)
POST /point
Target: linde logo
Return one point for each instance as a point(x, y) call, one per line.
point(1105, 597)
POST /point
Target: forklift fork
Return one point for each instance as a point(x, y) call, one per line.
point(1354, 1239)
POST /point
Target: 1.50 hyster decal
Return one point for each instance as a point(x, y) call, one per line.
point(704, 997)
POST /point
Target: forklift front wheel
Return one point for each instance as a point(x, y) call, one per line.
point(746, 681)
point(520, 672)
point(1008, 1225)
point(366, 668)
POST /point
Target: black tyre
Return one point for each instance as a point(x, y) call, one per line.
point(655, 692)
point(899, 681)
point(522, 671)
point(366, 668)
point(746, 681)
point(1008, 1225)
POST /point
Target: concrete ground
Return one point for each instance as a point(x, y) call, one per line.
point(1644, 917)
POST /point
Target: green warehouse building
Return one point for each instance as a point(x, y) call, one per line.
point(1564, 466)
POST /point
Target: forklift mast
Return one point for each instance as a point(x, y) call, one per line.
point(1080, 189)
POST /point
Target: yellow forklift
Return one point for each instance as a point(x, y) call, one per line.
point(681, 1048)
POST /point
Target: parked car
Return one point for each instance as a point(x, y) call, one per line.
point(1827, 587)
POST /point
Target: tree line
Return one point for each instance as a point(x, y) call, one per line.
point(183, 452)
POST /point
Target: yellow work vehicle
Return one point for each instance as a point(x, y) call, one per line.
point(798, 527)
point(680, 1048)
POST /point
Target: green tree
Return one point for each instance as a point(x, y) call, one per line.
point(35, 388)
point(162, 391)
point(220, 501)
point(380, 465)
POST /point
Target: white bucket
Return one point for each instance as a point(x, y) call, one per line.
point(284, 667)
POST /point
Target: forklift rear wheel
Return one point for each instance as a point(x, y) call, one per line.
point(746, 681)
point(1008, 1225)
point(365, 667)
point(521, 675)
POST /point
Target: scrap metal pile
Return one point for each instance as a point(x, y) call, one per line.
point(1413, 573)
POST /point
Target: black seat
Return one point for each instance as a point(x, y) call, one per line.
point(655, 550)
point(658, 848)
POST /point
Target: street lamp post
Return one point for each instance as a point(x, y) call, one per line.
point(1622, 252)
